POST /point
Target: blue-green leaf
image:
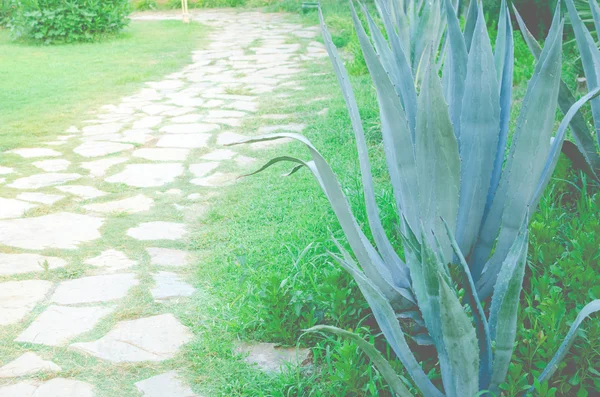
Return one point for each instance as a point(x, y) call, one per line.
point(471, 22)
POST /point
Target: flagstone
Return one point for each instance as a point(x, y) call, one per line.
point(6, 170)
point(219, 114)
point(155, 338)
point(292, 127)
point(271, 358)
point(243, 105)
point(244, 161)
point(158, 230)
point(101, 148)
point(11, 264)
point(11, 208)
point(130, 205)
point(203, 169)
point(188, 118)
point(61, 230)
point(58, 325)
point(147, 175)
point(35, 152)
point(106, 128)
point(42, 198)
point(168, 257)
point(156, 109)
point(162, 154)
point(111, 261)
point(85, 192)
point(102, 288)
point(193, 141)
point(147, 122)
point(43, 180)
point(164, 385)
point(21, 389)
point(219, 155)
point(99, 167)
point(52, 165)
point(229, 137)
point(18, 298)
point(169, 285)
point(27, 364)
point(214, 180)
point(57, 387)
point(189, 128)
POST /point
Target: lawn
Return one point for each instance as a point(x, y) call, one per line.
point(45, 89)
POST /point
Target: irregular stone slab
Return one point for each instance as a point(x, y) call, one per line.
point(195, 128)
point(214, 180)
point(156, 109)
point(219, 155)
point(99, 167)
point(147, 122)
point(111, 261)
point(29, 153)
point(155, 338)
point(43, 180)
point(244, 161)
point(147, 175)
point(170, 285)
point(100, 148)
point(188, 118)
point(11, 264)
point(18, 298)
point(158, 231)
point(271, 358)
point(164, 385)
point(244, 106)
point(106, 128)
point(27, 364)
point(293, 127)
point(203, 169)
point(21, 389)
point(52, 165)
point(131, 205)
point(178, 111)
point(134, 136)
point(85, 192)
point(185, 141)
point(59, 387)
point(160, 154)
point(229, 137)
point(225, 114)
point(11, 208)
point(225, 121)
point(168, 257)
point(42, 198)
point(104, 288)
point(62, 230)
point(59, 324)
point(6, 170)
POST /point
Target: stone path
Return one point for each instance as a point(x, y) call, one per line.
point(94, 226)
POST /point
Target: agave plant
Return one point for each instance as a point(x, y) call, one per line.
point(459, 206)
point(585, 154)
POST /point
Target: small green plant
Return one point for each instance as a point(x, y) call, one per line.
point(146, 5)
point(60, 21)
point(463, 213)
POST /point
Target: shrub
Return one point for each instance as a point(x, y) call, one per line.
point(7, 8)
point(445, 148)
point(146, 5)
point(64, 21)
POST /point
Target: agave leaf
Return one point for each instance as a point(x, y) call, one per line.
point(366, 254)
point(479, 126)
point(590, 58)
point(558, 143)
point(528, 154)
point(455, 68)
point(587, 311)
point(438, 162)
point(396, 267)
point(581, 133)
point(396, 133)
point(505, 307)
point(596, 15)
point(406, 85)
point(481, 324)
point(386, 318)
point(504, 59)
point(390, 376)
point(471, 22)
point(461, 344)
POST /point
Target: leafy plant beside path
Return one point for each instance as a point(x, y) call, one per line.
point(456, 201)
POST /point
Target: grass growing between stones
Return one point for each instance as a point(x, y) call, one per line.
point(45, 89)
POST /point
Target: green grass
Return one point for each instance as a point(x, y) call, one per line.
point(45, 89)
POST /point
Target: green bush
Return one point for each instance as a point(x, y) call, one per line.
point(146, 5)
point(7, 8)
point(51, 21)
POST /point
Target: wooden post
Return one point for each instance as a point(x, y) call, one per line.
point(184, 9)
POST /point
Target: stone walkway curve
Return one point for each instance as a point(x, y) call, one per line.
point(94, 226)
